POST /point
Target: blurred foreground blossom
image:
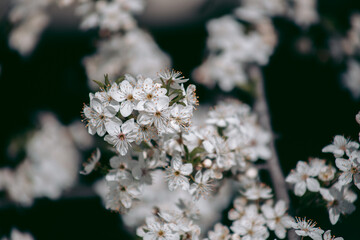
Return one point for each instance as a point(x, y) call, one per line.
point(17, 235)
point(133, 52)
point(50, 165)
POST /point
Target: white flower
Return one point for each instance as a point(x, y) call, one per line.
point(327, 173)
point(338, 203)
point(251, 225)
point(303, 178)
point(156, 230)
point(202, 186)
point(124, 95)
point(156, 113)
point(276, 219)
point(238, 211)
point(340, 145)
point(121, 166)
point(147, 90)
point(142, 170)
point(220, 232)
point(190, 95)
point(222, 116)
point(257, 192)
point(217, 147)
point(350, 169)
point(17, 235)
point(305, 228)
point(180, 117)
point(107, 99)
point(122, 191)
point(97, 115)
point(327, 236)
point(121, 135)
point(176, 174)
point(172, 78)
point(93, 160)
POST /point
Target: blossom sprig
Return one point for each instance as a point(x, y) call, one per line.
point(175, 224)
point(254, 221)
point(306, 228)
point(333, 184)
point(136, 109)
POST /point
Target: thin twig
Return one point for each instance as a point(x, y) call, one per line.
point(272, 164)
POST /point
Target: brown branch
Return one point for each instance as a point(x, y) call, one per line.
point(272, 164)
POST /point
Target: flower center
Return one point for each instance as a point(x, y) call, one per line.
point(121, 136)
point(130, 97)
point(304, 177)
point(149, 96)
point(158, 114)
point(161, 233)
point(176, 173)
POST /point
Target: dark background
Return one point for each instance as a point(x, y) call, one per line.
point(307, 102)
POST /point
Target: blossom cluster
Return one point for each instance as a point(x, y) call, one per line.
point(112, 15)
point(147, 121)
point(139, 112)
point(333, 184)
point(233, 46)
point(51, 161)
point(172, 224)
point(306, 228)
point(131, 52)
point(253, 221)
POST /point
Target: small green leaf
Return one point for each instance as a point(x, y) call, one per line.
point(186, 153)
point(196, 151)
point(100, 84)
point(107, 82)
point(120, 79)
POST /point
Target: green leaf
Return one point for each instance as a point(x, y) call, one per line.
point(107, 82)
point(196, 151)
point(181, 103)
point(120, 79)
point(100, 84)
point(196, 161)
point(186, 153)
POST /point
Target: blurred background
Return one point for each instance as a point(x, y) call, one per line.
point(312, 79)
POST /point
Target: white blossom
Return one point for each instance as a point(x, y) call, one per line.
point(337, 203)
point(202, 185)
point(177, 172)
point(305, 228)
point(121, 135)
point(303, 178)
point(340, 145)
point(276, 218)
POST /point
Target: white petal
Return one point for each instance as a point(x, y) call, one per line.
point(343, 164)
point(186, 169)
point(300, 188)
point(126, 87)
point(113, 128)
point(345, 178)
point(126, 108)
point(357, 180)
point(312, 184)
point(198, 177)
point(96, 105)
point(280, 208)
point(334, 216)
point(128, 126)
